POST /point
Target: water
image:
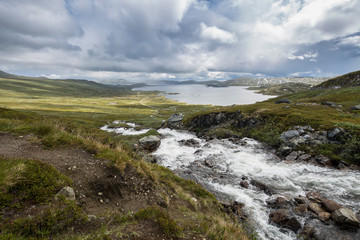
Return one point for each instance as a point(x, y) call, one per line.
point(200, 94)
point(234, 162)
point(124, 130)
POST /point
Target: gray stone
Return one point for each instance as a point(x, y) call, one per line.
point(244, 184)
point(284, 100)
point(344, 216)
point(355, 108)
point(304, 157)
point(150, 143)
point(289, 134)
point(67, 192)
point(292, 156)
point(325, 161)
point(336, 134)
point(331, 104)
point(278, 202)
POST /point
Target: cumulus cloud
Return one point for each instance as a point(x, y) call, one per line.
point(197, 39)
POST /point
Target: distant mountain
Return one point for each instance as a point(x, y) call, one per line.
point(348, 80)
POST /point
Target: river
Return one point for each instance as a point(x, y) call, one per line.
point(251, 161)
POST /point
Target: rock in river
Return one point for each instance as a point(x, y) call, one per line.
point(150, 143)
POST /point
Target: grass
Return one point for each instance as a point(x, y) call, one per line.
point(69, 113)
point(305, 109)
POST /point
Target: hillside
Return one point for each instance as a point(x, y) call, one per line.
point(347, 80)
point(50, 140)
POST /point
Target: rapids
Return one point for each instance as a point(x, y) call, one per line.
point(234, 162)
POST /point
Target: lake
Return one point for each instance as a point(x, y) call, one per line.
point(200, 94)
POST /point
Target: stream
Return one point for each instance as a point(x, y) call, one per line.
point(220, 166)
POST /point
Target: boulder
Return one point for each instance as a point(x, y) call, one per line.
point(285, 136)
point(304, 157)
point(316, 208)
point(322, 160)
point(244, 184)
point(314, 196)
point(278, 202)
point(330, 205)
point(284, 100)
point(345, 217)
point(190, 142)
point(355, 108)
point(67, 192)
point(286, 219)
point(261, 186)
point(301, 209)
point(301, 200)
point(150, 143)
point(175, 121)
point(324, 216)
point(336, 134)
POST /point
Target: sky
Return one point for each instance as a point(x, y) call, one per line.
point(141, 40)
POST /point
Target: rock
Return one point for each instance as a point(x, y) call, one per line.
point(301, 209)
point(91, 218)
point(355, 108)
point(261, 186)
point(315, 229)
point(304, 157)
point(354, 167)
point(284, 100)
point(285, 150)
point(286, 219)
point(278, 202)
point(175, 121)
point(150, 143)
point(346, 217)
point(324, 216)
point(331, 104)
point(336, 134)
point(301, 200)
point(235, 208)
point(209, 162)
point(190, 142)
point(314, 196)
point(330, 205)
point(67, 192)
point(285, 136)
point(292, 156)
point(322, 160)
point(244, 184)
point(287, 107)
point(316, 208)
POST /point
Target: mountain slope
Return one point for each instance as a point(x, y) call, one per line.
point(347, 80)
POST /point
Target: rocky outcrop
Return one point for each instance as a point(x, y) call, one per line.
point(175, 121)
point(213, 119)
point(150, 143)
point(355, 108)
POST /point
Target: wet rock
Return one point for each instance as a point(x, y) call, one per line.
point(261, 186)
point(286, 219)
point(292, 156)
point(284, 100)
point(244, 184)
point(210, 162)
point(324, 216)
point(330, 205)
point(322, 160)
point(66, 192)
point(315, 229)
point(301, 210)
point(235, 208)
point(301, 200)
point(150, 143)
point(354, 167)
point(345, 217)
point(355, 108)
point(314, 196)
point(278, 202)
point(316, 208)
point(190, 142)
point(175, 121)
point(336, 134)
point(285, 150)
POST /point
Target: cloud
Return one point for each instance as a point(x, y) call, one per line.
point(197, 39)
point(217, 34)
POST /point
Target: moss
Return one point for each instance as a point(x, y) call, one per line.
point(37, 183)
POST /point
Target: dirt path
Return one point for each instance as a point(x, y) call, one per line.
point(98, 187)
